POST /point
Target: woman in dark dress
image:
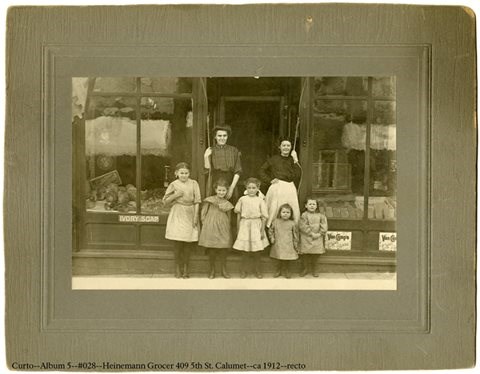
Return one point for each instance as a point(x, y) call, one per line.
point(223, 161)
point(282, 172)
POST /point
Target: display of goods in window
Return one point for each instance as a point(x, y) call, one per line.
point(152, 202)
point(105, 180)
point(341, 208)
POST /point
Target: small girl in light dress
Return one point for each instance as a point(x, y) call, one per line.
point(182, 222)
point(313, 228)
point(251, 216)
point(216, 234)
point(283, 235)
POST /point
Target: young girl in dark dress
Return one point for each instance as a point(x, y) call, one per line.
point(216, 234)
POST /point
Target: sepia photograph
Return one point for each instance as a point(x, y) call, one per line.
point(204, 183)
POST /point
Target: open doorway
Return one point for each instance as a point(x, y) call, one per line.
point(255, 124)
point(258, 110)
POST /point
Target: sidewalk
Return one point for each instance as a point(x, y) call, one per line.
point(325, 281)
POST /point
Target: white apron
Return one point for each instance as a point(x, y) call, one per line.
point(282, 193)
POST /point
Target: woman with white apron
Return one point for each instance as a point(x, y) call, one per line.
point(282, 172)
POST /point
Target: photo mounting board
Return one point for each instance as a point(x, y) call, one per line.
point(427, 323)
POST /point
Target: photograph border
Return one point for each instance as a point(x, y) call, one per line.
point(445, 282)
point(414, 58)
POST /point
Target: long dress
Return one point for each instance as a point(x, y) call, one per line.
point(252, 210)
point(284, 191)
point(216, 230)
point(181, 216)
point(284, 236)
point(312, 223)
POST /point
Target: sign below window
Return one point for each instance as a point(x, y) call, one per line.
point(387, 241)
point(338, 240)
point(141, 219)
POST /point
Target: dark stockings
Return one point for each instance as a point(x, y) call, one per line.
point(182, 259)
point(309, 263)
point(247, 259)
point(283, 267)
point(212, 255)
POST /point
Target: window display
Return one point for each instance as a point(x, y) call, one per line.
point(354, 129)
point(166, 139)
point(132, 141)
point(110, 150)
point(338, 156)
point(383, 165)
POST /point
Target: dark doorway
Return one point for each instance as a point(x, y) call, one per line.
point(255, 123)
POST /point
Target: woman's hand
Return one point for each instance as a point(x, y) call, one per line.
point(195, 222)
point(273, 181)
point(229, 193)
point(206, 158)
point(294, 156)
point(208, 152)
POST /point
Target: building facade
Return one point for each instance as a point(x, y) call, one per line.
point(129, 133)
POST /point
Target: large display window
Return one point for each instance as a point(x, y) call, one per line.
point(352, 156)
point(136, 130)
point(129, 133)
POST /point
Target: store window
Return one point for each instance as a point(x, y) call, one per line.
point(383, 161)
point(166, 126)
point(136, 130)
point(353, 152)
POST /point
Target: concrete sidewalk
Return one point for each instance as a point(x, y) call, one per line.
point(325, 281)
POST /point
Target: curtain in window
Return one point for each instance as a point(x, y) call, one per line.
point(79, 96)
point(383, 137)
point(116, 136)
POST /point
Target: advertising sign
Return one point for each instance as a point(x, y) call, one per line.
point(338, 240)
point(387, 241)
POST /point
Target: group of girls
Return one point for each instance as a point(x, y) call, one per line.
point(274, 220)
point(305, 240)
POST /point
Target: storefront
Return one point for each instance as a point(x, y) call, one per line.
point(129, 133)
